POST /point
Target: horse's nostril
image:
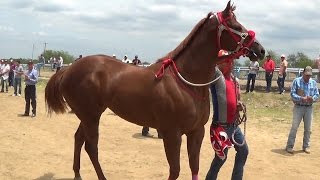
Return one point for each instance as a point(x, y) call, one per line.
point(263, 52)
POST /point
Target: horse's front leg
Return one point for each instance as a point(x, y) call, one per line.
point(172, 145)
point(194, 141)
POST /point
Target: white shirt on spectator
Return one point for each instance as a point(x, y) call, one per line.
point(253, 67)
point(6, 70)
point(61, 59)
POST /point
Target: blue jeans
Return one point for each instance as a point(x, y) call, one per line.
point(4, 84)
point(16, 85)
point(280, 83)
point(240, 159)
point(299, 113)
point(269, 76)
point(253, 78)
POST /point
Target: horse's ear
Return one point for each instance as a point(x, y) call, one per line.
point(227, 10)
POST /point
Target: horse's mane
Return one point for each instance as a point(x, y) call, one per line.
point(187, 41)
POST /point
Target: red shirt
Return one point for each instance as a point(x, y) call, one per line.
point(231, 99)
point(269, 65)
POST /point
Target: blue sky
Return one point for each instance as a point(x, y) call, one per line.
point(148, 28)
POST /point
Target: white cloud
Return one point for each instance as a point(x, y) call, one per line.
point(149, 28)
point(46, 25)
point(40, 33)
point(6, 29)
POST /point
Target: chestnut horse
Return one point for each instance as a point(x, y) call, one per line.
point(173, 92)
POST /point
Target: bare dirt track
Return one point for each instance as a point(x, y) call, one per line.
point(41, 148)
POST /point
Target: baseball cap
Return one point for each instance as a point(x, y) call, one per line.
point(282, 55)
point(308, 71)
point(30, 62)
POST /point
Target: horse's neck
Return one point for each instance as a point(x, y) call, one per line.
point(198, 60)
point(197, 63)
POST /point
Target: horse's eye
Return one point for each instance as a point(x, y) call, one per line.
point(238, 28)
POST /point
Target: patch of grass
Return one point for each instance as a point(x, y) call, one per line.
point(271, 109)
point(42, 83)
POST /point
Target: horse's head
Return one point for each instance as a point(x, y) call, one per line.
point(235, 38)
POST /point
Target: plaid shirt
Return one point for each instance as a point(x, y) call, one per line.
point(300, 89)
point(33, 77)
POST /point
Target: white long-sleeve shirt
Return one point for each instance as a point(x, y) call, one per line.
point(5, 72)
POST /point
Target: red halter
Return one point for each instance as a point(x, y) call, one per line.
point(239, 37)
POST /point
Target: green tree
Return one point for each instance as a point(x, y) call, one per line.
point(247, 63)
point(302, 60)
point(292, 60)
point(237, 63)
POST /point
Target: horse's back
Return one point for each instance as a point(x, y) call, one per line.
point(104, 79)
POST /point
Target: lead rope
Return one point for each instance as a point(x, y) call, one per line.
point(240, 119)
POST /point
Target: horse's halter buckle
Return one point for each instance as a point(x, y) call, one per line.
point(242, 48)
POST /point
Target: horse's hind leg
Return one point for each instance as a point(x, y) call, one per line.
point(79, 140)
point(91, 130)
point(172, 145)
point(194, 141)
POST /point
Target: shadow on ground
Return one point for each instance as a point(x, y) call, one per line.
point(139, 136)
point(50, 176)
point(281, 152)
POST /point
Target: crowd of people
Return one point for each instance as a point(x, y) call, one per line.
point(12, 73)
point(269, 67)
point(56, 63)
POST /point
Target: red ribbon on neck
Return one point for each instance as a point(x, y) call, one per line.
point(165, 64)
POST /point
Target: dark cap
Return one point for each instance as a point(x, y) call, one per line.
point(268, 55)
point(307, 71)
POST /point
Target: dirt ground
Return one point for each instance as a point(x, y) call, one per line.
point(41, 148)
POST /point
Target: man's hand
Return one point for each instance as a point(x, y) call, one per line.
point(304, 99)
point(309, 99)
point(240, 106)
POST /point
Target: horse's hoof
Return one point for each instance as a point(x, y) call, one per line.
point(77, 178)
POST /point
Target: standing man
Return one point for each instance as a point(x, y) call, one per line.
point(145, 129)
point(282, 74)
point(18, 72)
point(11, 72)
point(136, 61)
point(226, 106)
point(126, 60)
point(80, 56)
point(269, 68)
point(4, 74)
point(41, 63)
point(304, 93)
point(59, 63)
point(31, 79)
point(253, 71)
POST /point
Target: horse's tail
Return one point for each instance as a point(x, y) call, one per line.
point(53, 95)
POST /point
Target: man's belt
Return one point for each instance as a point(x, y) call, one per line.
point(306, 105)
point(225, 125)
